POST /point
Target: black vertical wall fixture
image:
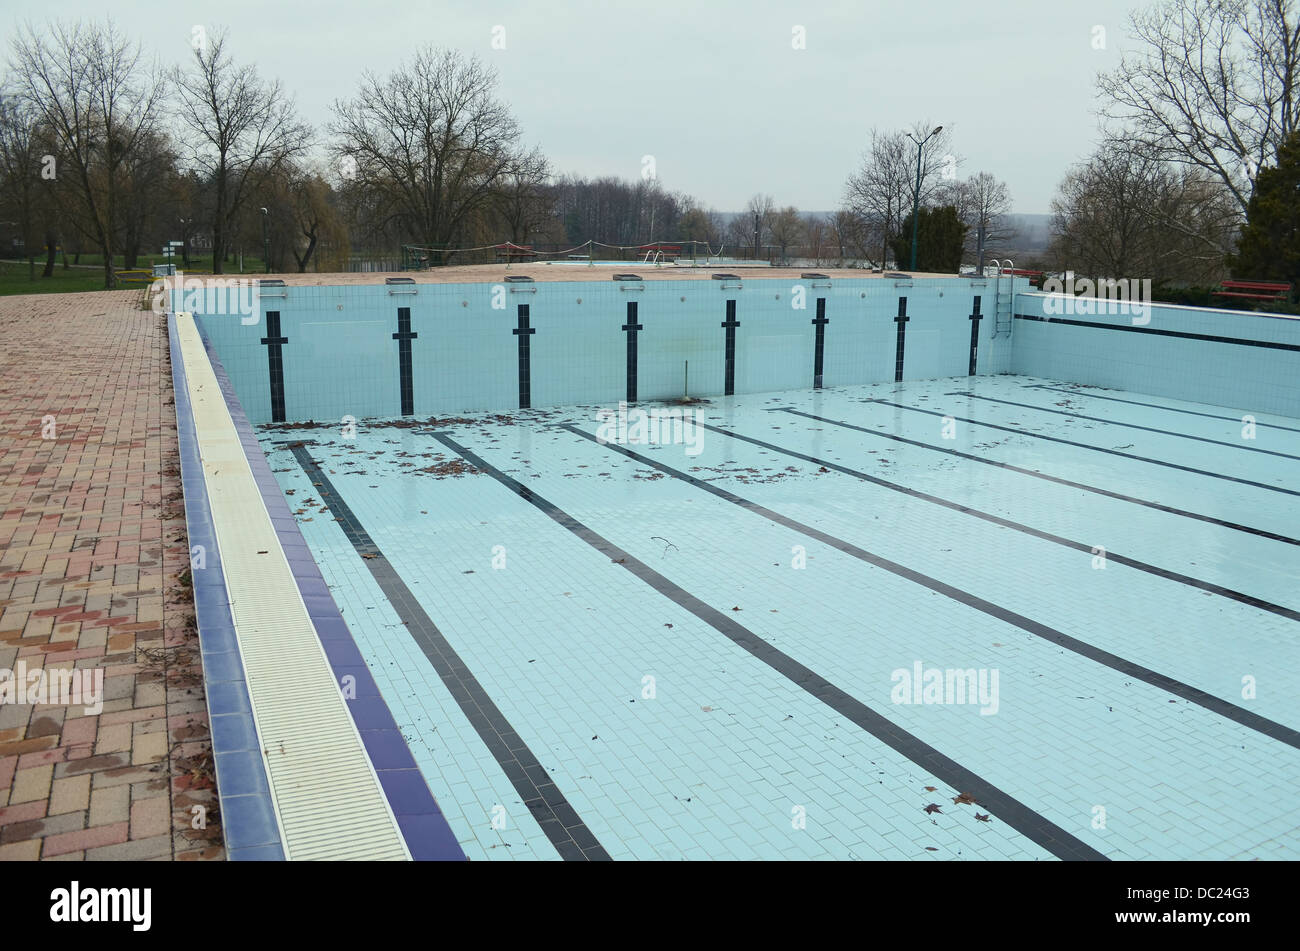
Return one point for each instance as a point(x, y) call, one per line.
point(275, 360)
point(631, 327)
point(731, 323)
point(404, 336)
point(901, 320)
point(523, 331)
point(974, 335)
point(819, 346)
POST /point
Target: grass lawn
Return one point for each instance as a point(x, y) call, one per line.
point(89, 275)
point(13, 280)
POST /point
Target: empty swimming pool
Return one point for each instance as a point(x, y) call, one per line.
point(979, 618)
point(924, 570)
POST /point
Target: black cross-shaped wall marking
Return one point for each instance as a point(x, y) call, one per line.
point(901, 320)
point(523, 331)
point(275, 360)
point(631, 327)
point(819, 347)
point(974, 335)
point(404, 336)
point(731, 323)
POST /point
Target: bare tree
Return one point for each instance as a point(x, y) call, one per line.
point(1124, 213)
point(431, 142)
point(758, 219)
point(21, 152)
point(983, 203)
point(522, 199)
point(98, 101)
point(816, 232)
point(699, 224)
point(849, 233)
point(146, 176)
point(787, 228)
point(884, 188)
point(1212, 85)
point(244, 129)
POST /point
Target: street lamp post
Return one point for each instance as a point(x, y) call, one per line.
point(916, 195)
point(266, 243)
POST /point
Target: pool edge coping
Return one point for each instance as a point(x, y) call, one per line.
point(419, 819)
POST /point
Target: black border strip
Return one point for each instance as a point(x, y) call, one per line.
point(1014, 813)
point(1172, 409)
point(1209, 338)
point(1230, 711)
point(558, 820)
point(1107, 493)
point(1115, 422)
point(1084, 445)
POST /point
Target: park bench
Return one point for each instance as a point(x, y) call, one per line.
point(1278, 292)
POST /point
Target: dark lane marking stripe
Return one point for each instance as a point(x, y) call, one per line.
point(1254, 721)
point(404, 336)
point(901, 341)
point(1172, 409)
point(974, 319)
point(819, 343)
point(568, 833)
point(729, 367)
point(1273, 536)
point(275, 363)
point(1115, 422)
point(1210, 338)
point(1009, 809)
point(522, 333)
point(1084, 445)
point(1230, 593)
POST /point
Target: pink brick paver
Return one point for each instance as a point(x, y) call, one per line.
point(94, 565)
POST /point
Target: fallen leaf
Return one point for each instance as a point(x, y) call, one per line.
point(930, 788)
point(934, 807)
point(982, 816)
point(964, 799)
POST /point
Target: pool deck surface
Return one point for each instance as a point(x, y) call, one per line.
point(581, 271)
point(92, 552)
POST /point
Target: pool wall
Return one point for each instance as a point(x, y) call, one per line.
point(338, 354)
point(325, 352)
point(1223, 357)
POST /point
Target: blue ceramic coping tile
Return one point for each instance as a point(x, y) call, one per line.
point(249, 821)
point(427, 834)
point(242, 787)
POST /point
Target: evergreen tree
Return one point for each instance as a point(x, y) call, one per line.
point(1269, 246)
point(939, 241)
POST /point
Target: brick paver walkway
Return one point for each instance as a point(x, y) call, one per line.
point(94, 574)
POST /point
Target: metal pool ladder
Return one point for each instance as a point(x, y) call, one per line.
point(1005, 297)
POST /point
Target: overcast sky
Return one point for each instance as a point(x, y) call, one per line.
point(715, 91)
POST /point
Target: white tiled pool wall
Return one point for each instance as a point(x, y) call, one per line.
point(340, 356)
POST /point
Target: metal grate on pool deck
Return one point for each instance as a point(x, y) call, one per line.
point(327, 798)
